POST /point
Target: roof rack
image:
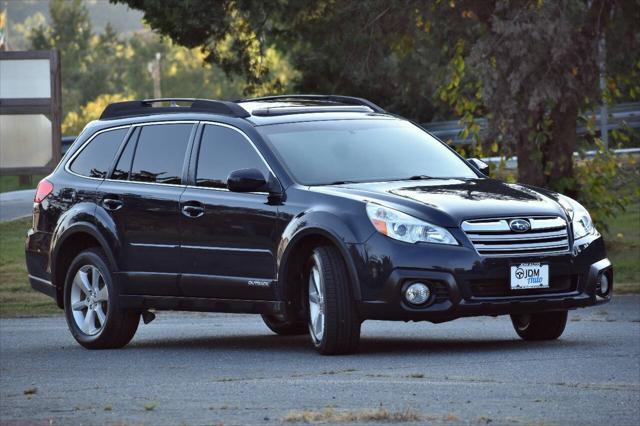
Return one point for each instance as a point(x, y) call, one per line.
point(145, 107)
point(345, 100)
point(273, 111)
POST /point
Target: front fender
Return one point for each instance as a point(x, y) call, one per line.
point(324, 224)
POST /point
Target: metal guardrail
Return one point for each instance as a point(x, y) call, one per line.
point(625, 114)
point(66, 143)
point(511, 163)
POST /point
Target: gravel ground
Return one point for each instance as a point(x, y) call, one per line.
point(229, 369)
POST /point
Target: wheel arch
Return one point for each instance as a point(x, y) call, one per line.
point(74, 239)
point(293, 256)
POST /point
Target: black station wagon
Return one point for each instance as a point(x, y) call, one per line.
point(317, 212)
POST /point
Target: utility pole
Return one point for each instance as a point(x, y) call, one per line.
point(154, 70)
point(604, 113)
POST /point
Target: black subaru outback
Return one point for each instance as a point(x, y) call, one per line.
point(317, 212)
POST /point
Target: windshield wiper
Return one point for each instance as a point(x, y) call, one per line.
point(341, 182)
point(416, 177)
point(419, 177)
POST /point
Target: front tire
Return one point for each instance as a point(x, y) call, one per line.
point(334, 324)
point(91, 305)
point(540, 326)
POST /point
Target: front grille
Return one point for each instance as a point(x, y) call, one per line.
point(494, 237)
point(501, 288)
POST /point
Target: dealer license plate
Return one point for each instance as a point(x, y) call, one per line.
point(529, 275)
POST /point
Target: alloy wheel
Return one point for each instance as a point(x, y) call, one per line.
point(316, 302)
point(89, 300)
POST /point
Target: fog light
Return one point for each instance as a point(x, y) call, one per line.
point(603, 285)
point(417, 293)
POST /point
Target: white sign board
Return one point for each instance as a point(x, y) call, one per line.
point(25, 141)
point(27, 78)
point(29, 112)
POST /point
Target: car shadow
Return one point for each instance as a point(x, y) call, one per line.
point(368, 345)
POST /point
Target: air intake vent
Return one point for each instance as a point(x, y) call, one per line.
point(510, 236)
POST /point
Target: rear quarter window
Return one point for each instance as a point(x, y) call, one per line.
point(97, 156)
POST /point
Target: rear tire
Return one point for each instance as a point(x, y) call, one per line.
point(541, 326)
point(285, 328)
point(334, 324)
point(91, 304)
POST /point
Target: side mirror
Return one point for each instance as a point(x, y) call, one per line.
point(246, 180)
point(480, 165)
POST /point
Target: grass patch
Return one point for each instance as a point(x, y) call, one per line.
point(623, 248)
point(331, 415)
point(31, 391)
point(12, 183)
point(16, 296)
point(623, 236)
point(150, 406)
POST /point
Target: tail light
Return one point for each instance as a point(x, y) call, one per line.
point(43, 190)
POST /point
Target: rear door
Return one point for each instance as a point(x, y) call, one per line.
point(141, 199)
point(229, 239)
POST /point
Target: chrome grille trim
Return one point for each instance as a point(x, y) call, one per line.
point(518, 237)
point(502, 225)
point(494, 237)
point(534, 246)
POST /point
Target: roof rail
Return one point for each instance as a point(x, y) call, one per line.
point(145, 107)
point(273, 111)
point(345, 100)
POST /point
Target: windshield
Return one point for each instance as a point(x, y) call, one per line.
point(344, 151)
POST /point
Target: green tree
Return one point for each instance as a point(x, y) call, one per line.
point(102, 68)
point(537, 63)
point(184, 72)
point(70, 32)
point(529, 66)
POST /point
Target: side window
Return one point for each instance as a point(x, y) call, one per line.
point(160, 153)
point(223, 150)
point(121, 171)
point(94, 160)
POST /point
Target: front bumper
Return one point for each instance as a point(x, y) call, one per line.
point(465, 284)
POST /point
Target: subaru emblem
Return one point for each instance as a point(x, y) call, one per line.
point(519, 225)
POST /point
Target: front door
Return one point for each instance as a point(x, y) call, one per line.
point(142, 199)
point(229, 240)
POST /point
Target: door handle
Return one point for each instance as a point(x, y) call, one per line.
point(112, 204)
point(192, 211)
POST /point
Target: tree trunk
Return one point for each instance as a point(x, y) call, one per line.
point(529, 169)
point(24, 181)
point(529, 157)
point(558, 152)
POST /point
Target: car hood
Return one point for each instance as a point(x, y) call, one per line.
point(448, 202)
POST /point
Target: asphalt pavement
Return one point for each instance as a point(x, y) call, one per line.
point(16, 204)
point(187, 368)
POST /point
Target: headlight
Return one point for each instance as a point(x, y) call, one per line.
point(579, 216)
point(401, 226)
